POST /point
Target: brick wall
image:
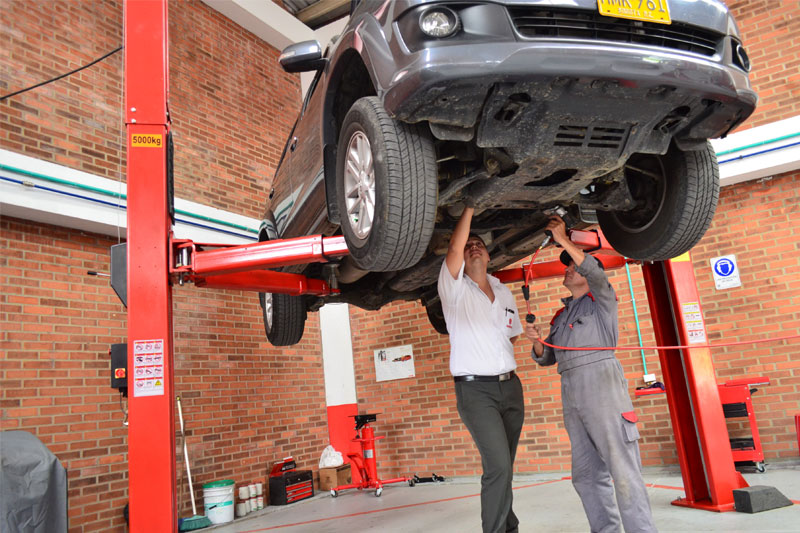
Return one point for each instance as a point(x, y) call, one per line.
point(247, 403)
point(231, 104)
point(76, 121)
point(770, 33)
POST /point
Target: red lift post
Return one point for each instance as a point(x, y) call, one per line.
point(154, 259)
point(701, 435)
point(151, 419)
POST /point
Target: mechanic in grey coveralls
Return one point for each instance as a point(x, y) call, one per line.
point(483, 323)
point(598, 412)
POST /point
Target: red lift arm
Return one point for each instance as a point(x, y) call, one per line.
point(695, 408)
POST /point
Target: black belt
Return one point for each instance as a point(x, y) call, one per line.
point(501, 377)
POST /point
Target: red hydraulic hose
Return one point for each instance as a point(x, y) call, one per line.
point(528, 274)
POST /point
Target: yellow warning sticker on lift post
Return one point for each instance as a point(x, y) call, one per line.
point(147, 140)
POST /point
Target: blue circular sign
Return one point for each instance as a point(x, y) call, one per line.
point(724, 267)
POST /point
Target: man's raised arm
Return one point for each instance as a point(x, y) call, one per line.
point(455, 252)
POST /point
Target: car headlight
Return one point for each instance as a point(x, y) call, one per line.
point(439, 22)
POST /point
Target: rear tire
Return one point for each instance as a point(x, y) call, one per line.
point(675, 194)
point(386, 185)
point(284, 318)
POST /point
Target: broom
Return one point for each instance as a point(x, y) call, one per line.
point(197, 521)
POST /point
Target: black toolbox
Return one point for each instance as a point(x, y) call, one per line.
point(290, 487)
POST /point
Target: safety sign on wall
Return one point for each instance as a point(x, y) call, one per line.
point(394, 363)
point(148, 368)
point(725, 271)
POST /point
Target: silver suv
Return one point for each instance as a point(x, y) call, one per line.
point(602, 108)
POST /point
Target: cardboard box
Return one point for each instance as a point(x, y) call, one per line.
point(330, 478)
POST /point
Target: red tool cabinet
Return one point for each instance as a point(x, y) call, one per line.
point(287, 485)
point(736, 403)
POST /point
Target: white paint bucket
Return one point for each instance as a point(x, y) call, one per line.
point(218, 501)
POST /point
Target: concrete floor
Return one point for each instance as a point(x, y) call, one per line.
point(543, 503)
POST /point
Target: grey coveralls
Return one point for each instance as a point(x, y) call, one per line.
point(598, 412)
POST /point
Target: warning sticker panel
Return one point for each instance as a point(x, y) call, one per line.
point(148, 368)
point(693, 322)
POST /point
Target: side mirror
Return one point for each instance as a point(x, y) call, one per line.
point(302, 57)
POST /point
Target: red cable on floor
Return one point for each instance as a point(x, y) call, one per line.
point(679, 347)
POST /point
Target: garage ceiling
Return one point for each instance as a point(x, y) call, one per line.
point(317, 13)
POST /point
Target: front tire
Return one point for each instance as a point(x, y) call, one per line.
point(675, 194)
point(386, 186)
point(284, 318)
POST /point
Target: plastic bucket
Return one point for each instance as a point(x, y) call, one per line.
point(218, 501)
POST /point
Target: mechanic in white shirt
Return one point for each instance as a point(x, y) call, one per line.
point(483, 322)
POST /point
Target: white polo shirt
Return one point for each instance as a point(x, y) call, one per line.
point(479, 329)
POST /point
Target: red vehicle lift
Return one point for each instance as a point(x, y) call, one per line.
point(155, 260)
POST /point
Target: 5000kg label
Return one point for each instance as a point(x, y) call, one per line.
point(149, 141)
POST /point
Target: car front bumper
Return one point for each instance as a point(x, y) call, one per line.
point(459, 86)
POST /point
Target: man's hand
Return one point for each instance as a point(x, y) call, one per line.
point(468, 201)
point(534, 335)
point(532, 332)
point(558, 228)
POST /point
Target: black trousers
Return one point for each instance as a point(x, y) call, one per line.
point(493, 413)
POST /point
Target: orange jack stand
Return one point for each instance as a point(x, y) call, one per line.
point(366, 462)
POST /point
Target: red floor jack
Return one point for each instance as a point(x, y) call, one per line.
point(366, 462)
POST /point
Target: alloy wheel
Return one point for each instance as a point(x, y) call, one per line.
point(359, 185)
point(268, 311)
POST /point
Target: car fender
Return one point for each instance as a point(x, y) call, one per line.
point(350, 44)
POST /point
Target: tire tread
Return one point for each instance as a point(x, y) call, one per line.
point(411, 184)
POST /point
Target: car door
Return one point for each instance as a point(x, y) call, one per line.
point(298, 209)
point(281, 199)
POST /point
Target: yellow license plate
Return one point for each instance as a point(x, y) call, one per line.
point(646, 10)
